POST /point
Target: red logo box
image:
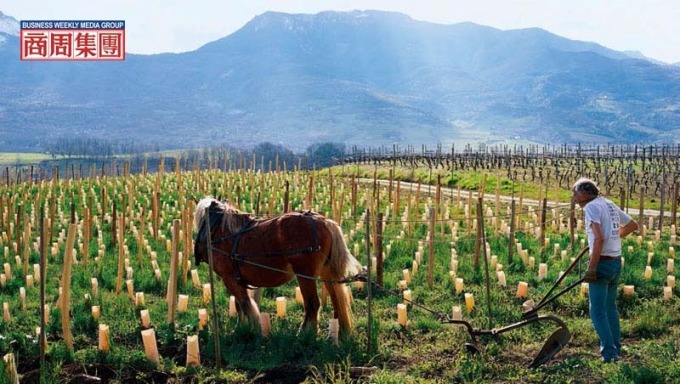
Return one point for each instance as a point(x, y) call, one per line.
point(72, 40)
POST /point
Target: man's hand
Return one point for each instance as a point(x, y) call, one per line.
point(590, 276)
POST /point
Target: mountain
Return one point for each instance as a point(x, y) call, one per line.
point(8, 25)
point(360, 77)
point(640, 55)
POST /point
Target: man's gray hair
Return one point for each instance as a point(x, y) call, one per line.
point(587, 186)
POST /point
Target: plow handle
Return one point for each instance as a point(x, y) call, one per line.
point(545, 300)
point(543, 303)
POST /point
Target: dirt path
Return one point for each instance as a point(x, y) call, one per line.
point(453, 193)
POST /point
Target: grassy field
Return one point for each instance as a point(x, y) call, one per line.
point(14, 158)
point(423, 351)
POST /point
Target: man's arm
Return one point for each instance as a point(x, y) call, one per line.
point(628, 228)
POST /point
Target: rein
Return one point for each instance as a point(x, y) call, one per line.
point(238, 259)
point(361, 276)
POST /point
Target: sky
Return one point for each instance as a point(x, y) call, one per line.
point(651, 27)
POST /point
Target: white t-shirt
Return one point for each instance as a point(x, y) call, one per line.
point(611, 218)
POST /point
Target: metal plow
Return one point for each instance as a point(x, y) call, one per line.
point(557, 340)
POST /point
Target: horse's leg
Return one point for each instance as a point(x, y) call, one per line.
point(311, 303)
point(246, 304)
point(341, 306)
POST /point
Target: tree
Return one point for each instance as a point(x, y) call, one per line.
point(325, 154)
point(267, 153)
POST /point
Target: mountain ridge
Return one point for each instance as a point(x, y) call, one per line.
point(360, 77)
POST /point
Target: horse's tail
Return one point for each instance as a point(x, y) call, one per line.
point(341, 263)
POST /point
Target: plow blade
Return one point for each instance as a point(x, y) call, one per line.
point(554, 344)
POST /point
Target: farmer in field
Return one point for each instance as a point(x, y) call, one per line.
point(605, 224)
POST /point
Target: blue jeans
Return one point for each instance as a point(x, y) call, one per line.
point(603, 312)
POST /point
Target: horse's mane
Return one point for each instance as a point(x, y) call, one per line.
point(232, 219)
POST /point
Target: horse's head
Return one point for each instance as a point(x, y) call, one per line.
point(201, 220)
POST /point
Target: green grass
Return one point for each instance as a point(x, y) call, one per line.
point(425, 351)
point(12, 158)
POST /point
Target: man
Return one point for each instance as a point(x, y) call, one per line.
point(606, 224)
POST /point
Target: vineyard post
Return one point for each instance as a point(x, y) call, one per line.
point(662, 202)
point(430, 258)
point(641, 215)
point(389, 188)
point(171, 296)
point(121, 252)
point(511, 239)
point(184, 235)
point(104, 202)
point(395, 210)
point(310, 192)
point(622, 198)
point(572, 223)
point(480, 225)
point(478, 234)
point(331, 189)
point(215, 323)
point(155, 214)
point(556, 216)
point(43, 270)
point(26, 243)
point(140, 236)
point(114, 223)
point(542, 232)
point(497, 201)
point(88, 231)
point(286, 186)
point(354, 197)
point(379, 248)
point(17, 231)
point(66, 282)
point(674, 204)
point(438, 201)
point(375, 207)
point(375, 180)
point(520, 207)
point(369, 292)
point(539, 212)
point(468, 215)
point(53, 203)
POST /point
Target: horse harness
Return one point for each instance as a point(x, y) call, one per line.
point(238, 259)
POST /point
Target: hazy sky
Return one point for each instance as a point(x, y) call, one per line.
point(649, 26)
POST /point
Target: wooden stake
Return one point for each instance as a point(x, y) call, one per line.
point(674, 204)
point(43, 269)
point(511, 238)
point(121, 254)
point(66, 285)
point(430, 260)
point(544, 215)
point(215, 324)
point(369, 295)
point(172, 278)
point(480, 225)
point(379, 247)
point(641, 215)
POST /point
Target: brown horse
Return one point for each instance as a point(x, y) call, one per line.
point(250, 252)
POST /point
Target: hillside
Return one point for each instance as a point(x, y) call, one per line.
point(361, 77)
